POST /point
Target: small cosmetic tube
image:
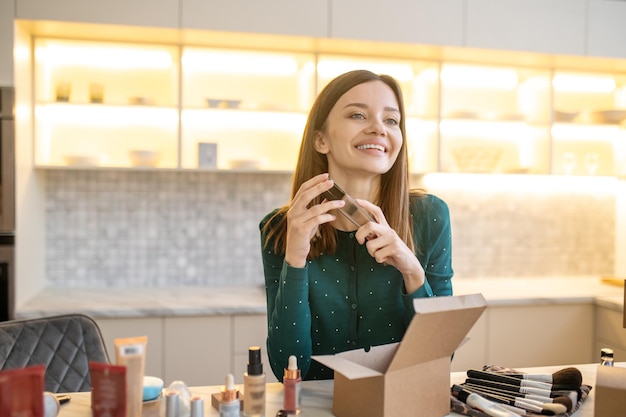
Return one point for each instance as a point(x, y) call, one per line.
point(254, 385)
point(51, 405)
point(108, 390)
point(196, 407)
point(131, 353)
point(21, 391)
point(171, 404)
point(230, 405)
point(292, 382)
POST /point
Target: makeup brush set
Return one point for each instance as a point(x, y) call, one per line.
point(499, 393)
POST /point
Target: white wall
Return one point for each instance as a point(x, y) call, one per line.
point(30, 190)
point(620, 230)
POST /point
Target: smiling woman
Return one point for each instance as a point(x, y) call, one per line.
point(333, 285)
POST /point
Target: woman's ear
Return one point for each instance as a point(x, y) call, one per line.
point(320, 142)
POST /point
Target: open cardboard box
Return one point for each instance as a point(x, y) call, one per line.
point(410, 378)
point(610, 392)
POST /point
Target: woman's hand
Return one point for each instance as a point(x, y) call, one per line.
point(303, 221)
point(385, 246)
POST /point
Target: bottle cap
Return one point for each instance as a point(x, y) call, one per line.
point(606, 352)
point(255, 365)
point(229, 393)
point(292, 371)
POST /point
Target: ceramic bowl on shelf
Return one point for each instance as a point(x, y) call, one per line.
point(245, 163)
point(608, 116)
point(565, 116)
point(218, 103)
point(144, 157)
point(82, 160)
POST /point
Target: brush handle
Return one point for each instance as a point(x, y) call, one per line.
point(545, 378)
point(508, 387)
point(521, 403)
point(509, 394)
point(492, 376)
point(504, 402)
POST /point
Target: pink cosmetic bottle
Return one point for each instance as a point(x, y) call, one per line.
point(292, 382)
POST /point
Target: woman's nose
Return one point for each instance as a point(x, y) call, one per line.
point(377, 127)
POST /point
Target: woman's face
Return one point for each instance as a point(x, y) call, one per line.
point(362, 132)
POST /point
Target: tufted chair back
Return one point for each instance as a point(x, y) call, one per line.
point(64, 344)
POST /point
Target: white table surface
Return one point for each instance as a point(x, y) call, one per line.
point(317, 395)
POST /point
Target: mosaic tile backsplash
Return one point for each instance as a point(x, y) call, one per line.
point(160, 229)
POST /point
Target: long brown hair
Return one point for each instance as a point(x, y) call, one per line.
point(393, 196)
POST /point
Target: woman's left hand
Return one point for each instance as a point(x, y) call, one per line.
point(385, 246)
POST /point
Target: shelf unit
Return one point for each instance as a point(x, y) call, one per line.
point(99, 100)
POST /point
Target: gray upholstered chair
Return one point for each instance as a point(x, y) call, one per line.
point(64, 344)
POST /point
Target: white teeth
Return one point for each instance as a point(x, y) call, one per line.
point(371, 146)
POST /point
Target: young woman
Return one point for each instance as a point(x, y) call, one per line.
point(331, 286)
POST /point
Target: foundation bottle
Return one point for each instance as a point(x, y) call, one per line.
point(254, 385)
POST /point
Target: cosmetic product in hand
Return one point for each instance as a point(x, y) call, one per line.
point(229, 402)
point(254, 385)
point(606, 357)
point(292, 382)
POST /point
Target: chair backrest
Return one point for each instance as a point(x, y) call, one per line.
point(64, 344)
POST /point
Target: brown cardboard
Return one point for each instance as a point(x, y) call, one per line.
point(411, 377)
point(610, 392)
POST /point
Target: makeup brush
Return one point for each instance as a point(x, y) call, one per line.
point(493, 376)
point(509, 394)
point(536, 407)
point(566, 401)
point(508, 387)
point(461, 392)
point(524, 390)
point(567, 376)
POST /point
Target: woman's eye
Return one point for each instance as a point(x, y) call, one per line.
point(359, 116)
point(392, 121)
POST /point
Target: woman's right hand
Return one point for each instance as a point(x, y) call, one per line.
point(303, 221)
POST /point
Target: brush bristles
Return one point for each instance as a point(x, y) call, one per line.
point(568, 376)
point(565, 401)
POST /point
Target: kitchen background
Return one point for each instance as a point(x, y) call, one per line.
point(151, 229)
point(125, 227)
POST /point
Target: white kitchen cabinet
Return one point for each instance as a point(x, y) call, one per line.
point(606, 30)
point(249, 331)
point(537, 335)
point(283, 17)
point(555, 26)
point(433, 22)
point(152, 327)
point(473, 353)
point(162, 13)
point(197, 349)
point(609, 332)
point(6, 42)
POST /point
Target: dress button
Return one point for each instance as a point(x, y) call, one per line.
point(351, 235)
point(352, 268)
point(353, 306)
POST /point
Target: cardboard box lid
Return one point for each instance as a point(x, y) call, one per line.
point(358, 363)
point(443, 322)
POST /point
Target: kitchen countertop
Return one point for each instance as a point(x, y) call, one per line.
point(194, 301)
